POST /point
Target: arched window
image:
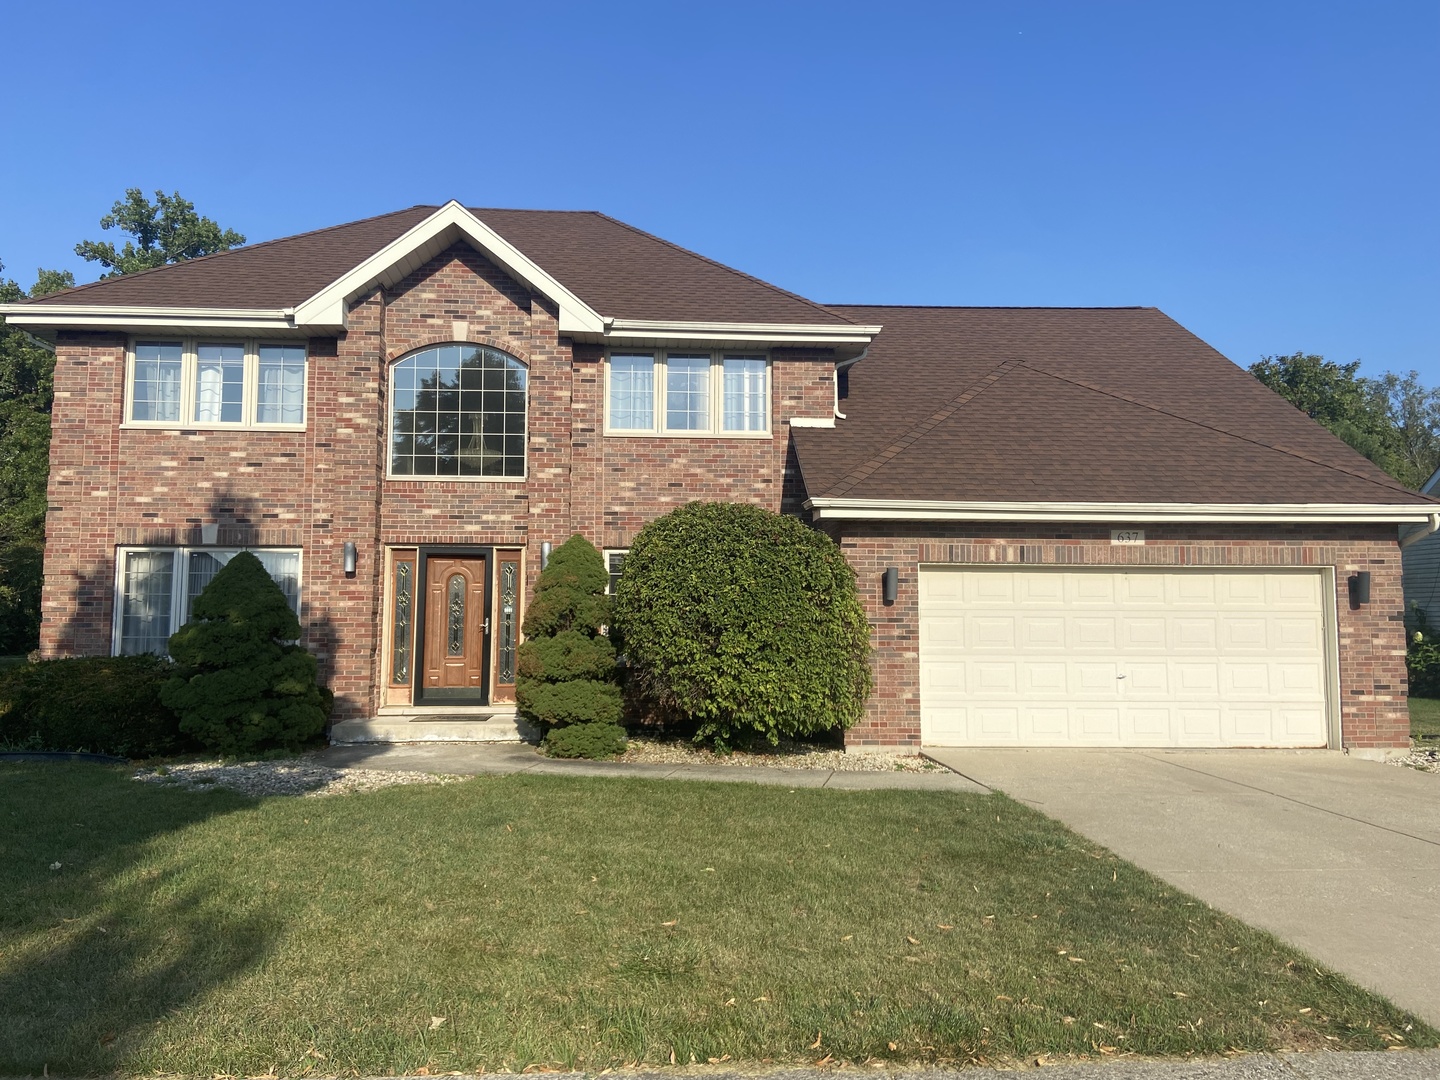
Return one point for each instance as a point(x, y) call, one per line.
point(457, 410)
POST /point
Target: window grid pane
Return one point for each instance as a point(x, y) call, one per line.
point(687, 393)
point(632, 392)
point(219, 383)
point(148, 584)
point(156, 394)
point(458, 410)
point(744, 387)
point(280, 398)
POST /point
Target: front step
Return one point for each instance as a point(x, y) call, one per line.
point(417, 724)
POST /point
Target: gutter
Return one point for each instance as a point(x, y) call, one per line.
point(1430, 529)
point(845, 365)
point(841, 509)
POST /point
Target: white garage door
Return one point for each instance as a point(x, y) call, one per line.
point(1132, 658)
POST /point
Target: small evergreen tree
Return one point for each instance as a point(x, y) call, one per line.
point(566, 673)
point(238, 687)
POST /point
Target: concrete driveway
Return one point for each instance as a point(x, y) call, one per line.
point(1337, 856)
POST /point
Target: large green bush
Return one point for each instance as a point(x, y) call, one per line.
point(566, 670)
point(595, 740)
point(238, 687)
point(743, 622)
point(99, 704)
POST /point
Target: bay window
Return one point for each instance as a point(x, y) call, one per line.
point(687, 393)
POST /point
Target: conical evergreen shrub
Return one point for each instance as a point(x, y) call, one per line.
point(566, 672)
point(239, 688)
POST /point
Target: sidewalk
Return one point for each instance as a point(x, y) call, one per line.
point(494, 759)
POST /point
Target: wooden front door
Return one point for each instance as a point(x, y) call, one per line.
point(456, 626)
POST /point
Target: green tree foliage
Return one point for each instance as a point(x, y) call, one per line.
point(27, 372)
point(744, 622)
point(238, 687)
point(165, 231)
point(1393, 420)
point(100, 704)
point(566, 673)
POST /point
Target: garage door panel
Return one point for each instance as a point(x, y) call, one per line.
point(1134, 657)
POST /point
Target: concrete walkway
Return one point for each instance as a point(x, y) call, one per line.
point(1338, 856)
point(479, 759)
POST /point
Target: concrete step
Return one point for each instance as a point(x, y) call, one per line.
point(435, 725)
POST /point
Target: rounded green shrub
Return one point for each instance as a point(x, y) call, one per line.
point(587, 740)
point(565, 671)
point(743, 622)
point(96, 704)
point(238, 686)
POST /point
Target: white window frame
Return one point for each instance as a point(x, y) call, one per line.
point(428, 478)
point(179, 586)
point(716, 429)
point(606, 553)
point(189, 379)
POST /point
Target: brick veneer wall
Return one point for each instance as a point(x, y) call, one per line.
point(327, 485)
point(1372, 637)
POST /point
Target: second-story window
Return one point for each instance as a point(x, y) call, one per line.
point(687, 393)
point(198, 382)
point(458, 411)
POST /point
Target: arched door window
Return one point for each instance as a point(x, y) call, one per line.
point(458, 410)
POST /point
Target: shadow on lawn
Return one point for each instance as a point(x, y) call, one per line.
point(96, 951)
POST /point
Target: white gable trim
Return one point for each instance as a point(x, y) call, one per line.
point(422, 243)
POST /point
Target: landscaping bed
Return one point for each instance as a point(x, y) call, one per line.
point(535, 922)
point(657, 750)
point(292, 776)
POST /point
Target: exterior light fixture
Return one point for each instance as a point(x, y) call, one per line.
point(544, 554)
point(890, 584)
point(1360, 588)
point(349, 559)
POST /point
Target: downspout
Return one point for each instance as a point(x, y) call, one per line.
point(1429, 529)
point(839, 368)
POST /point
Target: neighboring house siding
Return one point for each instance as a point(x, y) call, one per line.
point(322, 487)
point(1422, 577)
point(1371, 638)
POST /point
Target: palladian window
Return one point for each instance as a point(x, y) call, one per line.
point(458, 410)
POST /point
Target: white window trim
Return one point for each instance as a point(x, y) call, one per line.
point(405, 478)
point(605, 553)
point(179, 585)
point(717, 397)
point(189, 378)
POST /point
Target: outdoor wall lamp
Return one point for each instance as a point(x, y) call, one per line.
point(349, 559)
point(544, 553)
point(1360, 588)
point(890, 584)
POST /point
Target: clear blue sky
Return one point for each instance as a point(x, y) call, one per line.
point(1268, 173)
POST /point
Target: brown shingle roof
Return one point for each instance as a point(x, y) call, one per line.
point(618, 270)
point(1069, 405)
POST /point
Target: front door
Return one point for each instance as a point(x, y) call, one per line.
point(455, 628)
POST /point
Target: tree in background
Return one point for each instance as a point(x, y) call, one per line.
point(166, 231)
point(1393, 420)
point(26, 392)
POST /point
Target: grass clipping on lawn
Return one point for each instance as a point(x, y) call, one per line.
point(514, 922)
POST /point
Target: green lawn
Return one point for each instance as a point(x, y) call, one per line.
point(595, 922)
point(1425, 721)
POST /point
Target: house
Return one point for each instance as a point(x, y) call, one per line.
point(1421, 564)
point(1070, 526)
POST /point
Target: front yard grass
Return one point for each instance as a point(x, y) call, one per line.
point(1425, 721)
point(522, 921)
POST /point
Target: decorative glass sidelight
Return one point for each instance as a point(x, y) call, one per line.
point(456, 594)
point(400, 651)
point(509, 575)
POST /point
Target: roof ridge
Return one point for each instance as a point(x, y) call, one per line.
point(229, 251)
point(723, 266)
point(1008, 307)
point(1393, 485)
point(919, 430)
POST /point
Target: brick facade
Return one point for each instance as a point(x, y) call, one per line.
point(1371, 638)
point(325, 486)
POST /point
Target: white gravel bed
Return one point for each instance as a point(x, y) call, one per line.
point(648, 750)
point(294, 776)
point(1422, 758)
